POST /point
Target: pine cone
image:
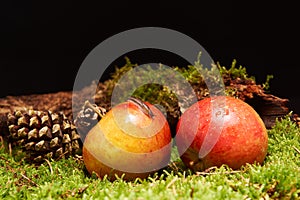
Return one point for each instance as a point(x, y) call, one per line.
point(42, 134)
point(88, 117)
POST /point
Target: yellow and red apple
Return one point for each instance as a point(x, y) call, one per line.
point(133, 139)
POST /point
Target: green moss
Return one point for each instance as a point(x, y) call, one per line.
point(277, 178)
point(266, 85)
point(196, 75)
point(235, 72)
point(192, 73)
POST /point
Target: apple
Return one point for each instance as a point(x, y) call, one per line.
point(221, 130)
point(133, 139)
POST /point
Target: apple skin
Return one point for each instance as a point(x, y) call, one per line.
point(240, 134)
point(129, 141)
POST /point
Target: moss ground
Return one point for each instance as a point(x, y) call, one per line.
point(277, 178)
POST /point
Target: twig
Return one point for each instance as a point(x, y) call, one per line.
point(74, 192)
point(82, 189)
point(172, 182)
point(10, 149)
point(59, 157)
point(50, 166)
point(173, 166)
point(2, 142)
point(296, 149)
point(100, 111)
point(2, 158)
point(216, 173)
point(29, 180)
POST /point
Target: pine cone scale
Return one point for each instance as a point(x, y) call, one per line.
point(33, 134)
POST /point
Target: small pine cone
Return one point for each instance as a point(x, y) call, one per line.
point(42, 134)
point(88, 117)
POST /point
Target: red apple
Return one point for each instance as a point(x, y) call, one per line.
point(133, 138)
point(221, 130)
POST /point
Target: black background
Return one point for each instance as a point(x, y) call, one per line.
point(43, 44)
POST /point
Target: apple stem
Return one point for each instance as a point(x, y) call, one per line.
point(100, 111)
point(144, 107)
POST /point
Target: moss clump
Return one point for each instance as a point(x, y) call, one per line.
point(234, 72)
point(175, 100)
